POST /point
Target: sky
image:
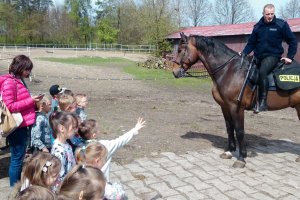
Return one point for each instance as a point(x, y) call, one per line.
point(259, 4)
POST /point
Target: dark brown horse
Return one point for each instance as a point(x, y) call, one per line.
point(228, 74)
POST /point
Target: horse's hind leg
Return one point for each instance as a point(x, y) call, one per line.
point(230, 131)
point(297, 107)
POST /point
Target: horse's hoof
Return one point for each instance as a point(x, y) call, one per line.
point(298, 159)
point(226, 155)
point(239, 164)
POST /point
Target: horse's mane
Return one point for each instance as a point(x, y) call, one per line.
point(211, 45)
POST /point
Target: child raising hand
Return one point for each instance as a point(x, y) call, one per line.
point(88, 130)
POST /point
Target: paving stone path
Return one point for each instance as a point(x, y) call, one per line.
point(203, 175)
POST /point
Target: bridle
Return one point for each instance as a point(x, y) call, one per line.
point(183, 71)
point(184, 54)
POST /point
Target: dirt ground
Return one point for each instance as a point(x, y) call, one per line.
point(179, 119)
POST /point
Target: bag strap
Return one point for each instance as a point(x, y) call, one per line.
point(16, 90)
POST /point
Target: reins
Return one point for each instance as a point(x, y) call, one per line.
point(223, 65)
point(213, 72)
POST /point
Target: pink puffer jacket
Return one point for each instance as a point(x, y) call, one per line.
point(17, 98)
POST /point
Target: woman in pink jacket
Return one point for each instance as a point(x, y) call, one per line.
point(18, 99)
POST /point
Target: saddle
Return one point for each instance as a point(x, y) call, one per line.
point(283, 77)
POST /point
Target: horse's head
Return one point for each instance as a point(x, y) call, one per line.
point(186, 56)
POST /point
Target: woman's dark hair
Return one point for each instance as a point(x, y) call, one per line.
point(19, 64)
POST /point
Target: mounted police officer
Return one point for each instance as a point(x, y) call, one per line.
point(266, 42)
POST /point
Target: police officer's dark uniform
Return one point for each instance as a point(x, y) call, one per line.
point(266, 42)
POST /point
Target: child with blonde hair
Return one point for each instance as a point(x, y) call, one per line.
point(64, 125)
point(67, 103)
point(81, 101)
point(83, 182)
point(41, 169)
point(35, 192)
point(41, 132)
point(95, 154)
point(68, 92)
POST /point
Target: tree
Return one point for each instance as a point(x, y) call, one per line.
point(178, 12)
point(233, 11)
point(129, 23)
point(291, 10)
point(33, 5)
point(106, 8)
point(8, 22)
point(61, 29)
point(199, 11)
point(156, 20)
point(80, 14)
point(105, 32)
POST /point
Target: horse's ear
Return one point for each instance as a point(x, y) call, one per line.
point(183, 37)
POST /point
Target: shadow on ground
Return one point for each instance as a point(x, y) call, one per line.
point(254, 142)
point(4, 164)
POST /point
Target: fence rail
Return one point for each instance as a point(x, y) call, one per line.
point(91, 46)
point(197, 70)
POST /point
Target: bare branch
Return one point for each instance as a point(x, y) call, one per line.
point(233, 11)
point(291, 10)
point(199, 11)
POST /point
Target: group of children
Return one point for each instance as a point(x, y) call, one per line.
point(69, 160)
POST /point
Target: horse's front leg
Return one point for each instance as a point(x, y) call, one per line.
point(238, 120)
point(231, 145)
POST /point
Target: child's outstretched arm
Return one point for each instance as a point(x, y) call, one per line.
point(114, 145)
point(140, 124)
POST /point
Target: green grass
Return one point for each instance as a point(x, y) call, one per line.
point(87, 60)
point(165, 77)
point(161, 76)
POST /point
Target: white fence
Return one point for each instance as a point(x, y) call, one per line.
point(133, 52)
point(91, 46)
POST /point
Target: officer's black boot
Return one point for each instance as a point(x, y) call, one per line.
point(263, 93)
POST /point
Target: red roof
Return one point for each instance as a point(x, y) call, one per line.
point(228, 29)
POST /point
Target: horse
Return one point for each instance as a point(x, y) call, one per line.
point(228, 70)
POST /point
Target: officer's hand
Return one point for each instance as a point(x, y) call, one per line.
point(286, 60)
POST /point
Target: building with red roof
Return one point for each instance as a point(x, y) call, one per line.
point(235, 36)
